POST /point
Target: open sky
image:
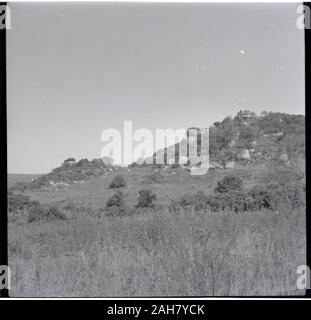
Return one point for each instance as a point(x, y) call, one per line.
point(74, 69)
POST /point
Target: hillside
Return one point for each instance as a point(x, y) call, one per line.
point(16, 178)
point(259, 149)
point(69, 172)
point(243, 140)
point(248, 138)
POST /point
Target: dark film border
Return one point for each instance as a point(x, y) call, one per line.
point(308, 139)
point(3, 156)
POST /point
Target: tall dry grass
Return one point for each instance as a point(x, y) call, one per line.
point(159, 254)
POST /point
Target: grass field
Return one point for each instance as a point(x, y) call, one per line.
point(14, 178)
point(155, 252)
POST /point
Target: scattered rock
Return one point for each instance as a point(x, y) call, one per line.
point(244, 154)
point(230, 165)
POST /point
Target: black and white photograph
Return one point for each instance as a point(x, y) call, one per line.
point(156, 149)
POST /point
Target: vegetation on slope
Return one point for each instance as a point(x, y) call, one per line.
point(238, 231)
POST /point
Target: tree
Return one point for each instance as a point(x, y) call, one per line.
point(117, 200)
point(293, 145)
point(117, 182)
point(146, 198)
point(223, 156)
point(247, 136)
point(229, 183)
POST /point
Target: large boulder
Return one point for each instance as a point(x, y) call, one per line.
point(230, 165)
point(70, 161)
point(83, 163)
point(107, 161)
point(245, 155)
point(97, 163)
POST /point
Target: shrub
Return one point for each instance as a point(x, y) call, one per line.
point(268, 197)
point(201, 200)
point(54, 213)
point(260, 196)
point(237, 201)
point(233, 200)
point(263, 197)
point(41, 213)
point(229, 183)
point(117, 182)
point(146, 198)
point(35, 213)
point(271, 196)
point(116, 200)
point(293, 195)
point(116, 205)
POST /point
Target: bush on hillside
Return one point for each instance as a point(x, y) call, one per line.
point(146, 198)
point(117, 182)
point(234, 200)
point(41, 213)
point(117, 200)
point(294, 195)
point(116, 205)
point(229, 183)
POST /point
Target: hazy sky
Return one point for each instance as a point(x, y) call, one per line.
point(76, 68)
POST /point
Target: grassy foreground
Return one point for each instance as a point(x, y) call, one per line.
point(157, 253)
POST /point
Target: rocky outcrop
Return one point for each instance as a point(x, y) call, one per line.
point(71, 172)
point(107, 161)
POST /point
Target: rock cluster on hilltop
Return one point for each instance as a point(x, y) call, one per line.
point(73, 172)
point(248, 138)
